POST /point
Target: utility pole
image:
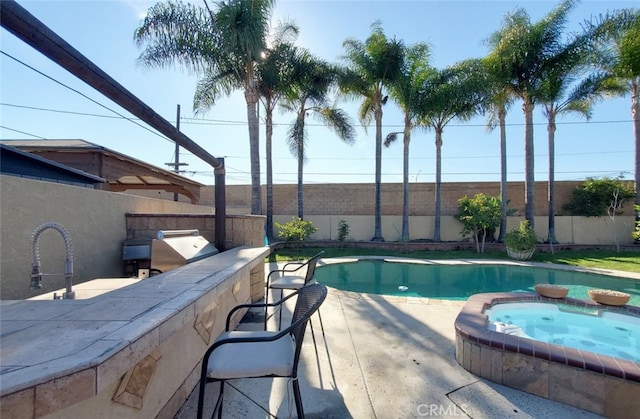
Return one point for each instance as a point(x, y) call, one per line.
point(176, 165)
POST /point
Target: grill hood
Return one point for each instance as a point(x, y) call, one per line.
point(173, 248)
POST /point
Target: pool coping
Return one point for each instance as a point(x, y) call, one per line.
point(471, 325)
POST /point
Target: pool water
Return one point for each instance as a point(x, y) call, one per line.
point(460, 281)
point(598, 331)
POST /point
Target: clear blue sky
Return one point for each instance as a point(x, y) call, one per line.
point(103, 32)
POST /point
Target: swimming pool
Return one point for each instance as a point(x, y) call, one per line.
point(458, 280)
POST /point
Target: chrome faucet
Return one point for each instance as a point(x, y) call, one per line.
point(36, 274)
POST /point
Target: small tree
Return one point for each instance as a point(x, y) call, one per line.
point(343, 232)
point(480, 216)
point(297, 230)
point(614, 207)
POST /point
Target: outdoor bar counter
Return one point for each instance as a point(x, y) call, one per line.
point(131, 352)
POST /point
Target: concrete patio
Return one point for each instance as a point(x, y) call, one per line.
point(383, 357)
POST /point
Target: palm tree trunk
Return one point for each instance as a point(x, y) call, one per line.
point(436, 227)
point(405, 179)
point(268, 142)
point(251, 97)
point(529, 184)
point(503, 173)
point(551, 131)
point(377, 235)
point(300, 145)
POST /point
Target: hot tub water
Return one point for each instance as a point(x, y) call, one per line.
point(600, 331)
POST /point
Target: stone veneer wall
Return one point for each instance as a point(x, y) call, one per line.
point(601, 384)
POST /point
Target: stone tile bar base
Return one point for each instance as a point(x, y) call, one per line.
point(132, 352)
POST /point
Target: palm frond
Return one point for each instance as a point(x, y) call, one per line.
point(244, 25)
point(210, 87)
point(177, 34)
point(296, 136)
point(339, 121)
point(276, 72)
point(365, 113)
point(391, 138)
point(286, 32)
point(415, 67)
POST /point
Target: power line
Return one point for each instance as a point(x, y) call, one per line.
point(85, 96)
point(205, 121)
point(62, 111)
point(224, 122)
point(414, 159)
point(398, 174)
point(22, 132)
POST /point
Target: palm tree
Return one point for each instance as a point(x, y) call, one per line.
point(404, 92)
point(458, 92)
point(556, 101)
point(498, 106)
point(223, 45)
point(309, 95)
point(371, 67)
point(522, 56)
point(275, 74)
point(618, 54)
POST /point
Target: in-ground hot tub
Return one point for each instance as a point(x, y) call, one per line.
point(599, 383)
point(594, 330)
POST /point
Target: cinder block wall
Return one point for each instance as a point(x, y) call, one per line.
point(326, 204)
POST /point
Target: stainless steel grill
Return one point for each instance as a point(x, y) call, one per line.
point(169, 250)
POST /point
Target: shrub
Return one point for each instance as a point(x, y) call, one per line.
point(521, 238)
point(480, 216)
point(296, 230)
point(596, 196)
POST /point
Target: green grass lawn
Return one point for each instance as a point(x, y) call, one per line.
point(603, 259)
